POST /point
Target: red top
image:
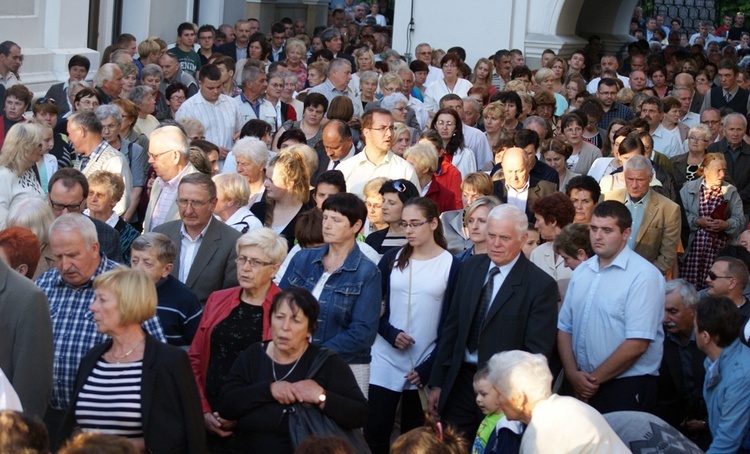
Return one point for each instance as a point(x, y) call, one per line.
point(450, 178)
point(218, 307)
point(443, 198)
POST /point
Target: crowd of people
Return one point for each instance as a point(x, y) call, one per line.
point(226, 243)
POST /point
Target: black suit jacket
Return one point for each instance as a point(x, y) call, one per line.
point(523, 316)
point(695, 104)
point(171, 412)
point(230, 50)
point(537, 189)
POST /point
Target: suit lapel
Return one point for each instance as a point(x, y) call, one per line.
point(474, 289)
point(513, 279)
point(147, 379)
point(648, 216)
point(205, 252)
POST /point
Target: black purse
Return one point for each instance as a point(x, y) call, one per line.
point(306, 419)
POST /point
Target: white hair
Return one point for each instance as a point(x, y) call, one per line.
point(34, 214)
point(253, 149)
point(105, 72)
point(76, 222)
point(391, 101)
point(516, 372)
point(687, 292)
point(639, 162)
point(734, 115)
point(510, 213)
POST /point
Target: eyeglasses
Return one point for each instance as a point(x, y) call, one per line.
point(450, 66)
point(45, 100)
point(254, 263)
point(413, 225)
point(73, 207)
point(384, 129)
point(445, 123)
point(183, 203)
point(711, 275)
point(154, 156)
point(377, 206)
point(177, 99)
point(697, 138)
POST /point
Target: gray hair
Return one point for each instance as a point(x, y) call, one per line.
point(73, 85)
point(734, 115)
point(271, 243)
point(701, 129)
point(152, 70)
point(34, 214)
point(175, 137)
point(120, 53)
point(76, 222)
point(233, 187)
point(87, 120)
point(250, 73)
point(536, 120)
point(138, 93)
point(507, 212)
point(105, 72)
point(687, 89)
point(337, 64)
point(109, 110)
point(405, 70)
point(391, 101)
point(287, 75)
point(253, 149)
point(639, 162)
point(516, 372)
point(368, 75)
point(329, 33)
point(390, 53)
point(687, 292)
point(473, 101)
point(166, 251)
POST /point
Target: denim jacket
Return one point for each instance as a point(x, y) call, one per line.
point(349, 303)
point(727, 393)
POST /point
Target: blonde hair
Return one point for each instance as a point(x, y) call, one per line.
point(516, 85)
point(135, 293)
point(113, 184)
point(291, 43)
point(192, 125)
point(497, 108)
point(372, 188)
point(424, 157)
point(34, 214)
point(233, 187)
point(21, 141)
point(292, 163)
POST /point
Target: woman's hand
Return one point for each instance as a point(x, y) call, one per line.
point(283, 392)
point(139, 443)
point(216, 425)
point(403, 341)
point(308, 391)
point(703, 222)
point(414, 379)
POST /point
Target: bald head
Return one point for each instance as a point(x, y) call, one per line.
point(515, 167)
point(337, 140)
point(168, 151)
point(684, 80)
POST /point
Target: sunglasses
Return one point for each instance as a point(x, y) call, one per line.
point(711, 275)
point(398, 185)
point(45, 100)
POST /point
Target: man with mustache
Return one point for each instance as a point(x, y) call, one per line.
point(681, 373)
point(665, 141)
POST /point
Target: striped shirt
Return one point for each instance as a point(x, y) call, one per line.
point(110, 400)
point(220, 119)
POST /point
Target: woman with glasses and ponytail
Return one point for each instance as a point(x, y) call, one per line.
point(345, 283)
point(417, 281)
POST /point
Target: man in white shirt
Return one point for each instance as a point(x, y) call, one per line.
point(219, 114)
point(609, 63)
point(376, 160)
point(407, 79)
point(665, 142)
point(10, 62)
point(424, 53)
point(685, 96)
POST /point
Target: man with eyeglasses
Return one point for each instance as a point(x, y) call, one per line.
point(68, 190)
point(423, 53)
point(86, 134)
point(169, 153)
point(607, 94)
point(712, 119)
point(73, 240)
point(376, 160)
point(205, 246)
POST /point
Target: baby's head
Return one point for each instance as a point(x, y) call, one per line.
point(488, 398)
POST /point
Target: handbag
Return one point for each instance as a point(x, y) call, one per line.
point(306, 419)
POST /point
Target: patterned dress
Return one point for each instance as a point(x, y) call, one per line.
point(706, 244)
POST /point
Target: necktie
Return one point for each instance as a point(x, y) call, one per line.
point(485, 298)
point(335, 163)
point(728, 96)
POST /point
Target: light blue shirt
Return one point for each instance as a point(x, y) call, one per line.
point(604, 307)
point(637, 211)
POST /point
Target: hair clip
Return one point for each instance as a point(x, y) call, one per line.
point(440, 430)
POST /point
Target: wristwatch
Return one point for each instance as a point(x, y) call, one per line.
point(322, 397)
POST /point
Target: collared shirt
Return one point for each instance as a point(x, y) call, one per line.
point(9, 80)
point(112, 221)
point(497, 282)
point(189, 248)
point(603, 307)
point(358, 171)
point(477, 141)
point(329, 91)
point(261, 109)
point(637, 211)
point(518, 197)
point(240, 52)
point(686, 361)
point(334, 164)
point(73, 326)
point(221, 119)
point(617, 110)
point(105, 157)
point(665, 142)
point(166, 199)
point(691, 119)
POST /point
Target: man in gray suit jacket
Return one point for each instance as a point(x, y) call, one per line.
point(205, 245)
point(26, 351)
point(169, 154)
